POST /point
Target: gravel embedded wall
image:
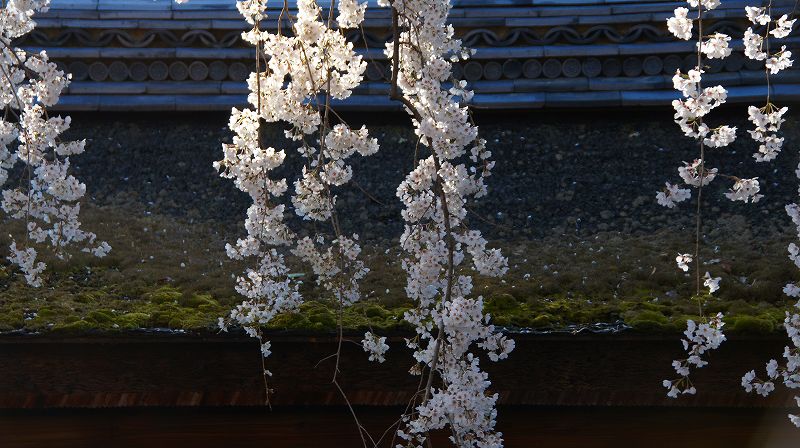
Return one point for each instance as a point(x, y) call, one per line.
point(564, 173)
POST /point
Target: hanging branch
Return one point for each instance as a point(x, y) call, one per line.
point(767, 121)
point(436, 241)
point(47, 198)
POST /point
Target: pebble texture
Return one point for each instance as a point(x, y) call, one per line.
point(563, 173)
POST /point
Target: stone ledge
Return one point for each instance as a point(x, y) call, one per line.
point(600, 370)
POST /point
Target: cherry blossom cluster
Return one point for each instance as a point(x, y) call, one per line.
point(337, 268)
point(699, 339)
point(745, 190)
point(295, 79)
point(767, 120)
point(767, 123)
point(789, 373)
point(47, 197)
point(672, 195)
point(683, 260)
point(757, 45)
point(439, 248)
point(328, 169)
point(698, 101)
point(691, 109)
point(267, 287)
point(315, 60)
point(376, 346)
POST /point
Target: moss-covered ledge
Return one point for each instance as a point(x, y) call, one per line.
point(157, 276)
point(105, 310)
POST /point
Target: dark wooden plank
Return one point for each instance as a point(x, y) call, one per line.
point(299, 427)
point(187, 371)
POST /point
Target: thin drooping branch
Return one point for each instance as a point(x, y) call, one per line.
point(690, 115)
point(47, 198)
point(767, 121)
point(435, 238)
point(321, 66)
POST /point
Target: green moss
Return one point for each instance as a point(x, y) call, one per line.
point(374, 311)
point(191, 320)
point(131, 321)
point(649, 306)
point(557, 307)
point(505, 321)
point(677, 323)
point(9, 323)
point(101, 318)
point(78, 326)
point(48, 313)
point(501, 303)
point(544, 321)
point(89, 296)
point(714, 306)
point(165, 294)
point(646, 320)
point(775, 315)
point(198, 300)
point(168, 273)
point(287, 321)
point(319, 315)
point(161, 317)
point(740, 307)
point(750, 325)
point(357, 321)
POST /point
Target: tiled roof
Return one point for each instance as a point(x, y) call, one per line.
point(160, 55)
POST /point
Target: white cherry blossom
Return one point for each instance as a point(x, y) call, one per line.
point(690, 173)
point(721, 137)
point(783, 27)
point(779, 61)
point(716, 47)
point(745, 190)
point(683, 261)
point(294, 72)
point(680, 25)
point(757, 15)
point(706, 4)
point(699, 339)
point(712, 283)
point(375, 346)
point(753, 45)
point(48, 199)
point(450, 321)
point(787, 374)
point(767, 122)
point(672, 195)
